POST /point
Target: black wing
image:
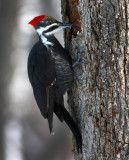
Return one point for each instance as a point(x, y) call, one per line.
point(41, 72)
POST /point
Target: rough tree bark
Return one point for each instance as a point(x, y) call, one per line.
point(100, 92)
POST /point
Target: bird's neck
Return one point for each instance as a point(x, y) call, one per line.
point(49, 42)
point(46, 41)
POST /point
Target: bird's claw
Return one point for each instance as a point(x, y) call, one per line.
point(77, 60)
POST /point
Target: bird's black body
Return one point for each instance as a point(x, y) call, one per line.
point(50, 73)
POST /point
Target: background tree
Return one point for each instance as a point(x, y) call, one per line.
point(8, 20)
point(100, 92)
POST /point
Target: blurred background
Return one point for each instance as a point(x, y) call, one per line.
point(24, 134)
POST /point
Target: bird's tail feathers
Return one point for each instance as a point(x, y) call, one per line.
point(63, 114)
point(50, 102)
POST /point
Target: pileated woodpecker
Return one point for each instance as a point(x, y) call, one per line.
point(50, 73)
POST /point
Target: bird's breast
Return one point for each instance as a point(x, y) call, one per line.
point(64, 74)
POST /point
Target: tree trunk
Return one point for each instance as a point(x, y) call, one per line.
point(100, 92)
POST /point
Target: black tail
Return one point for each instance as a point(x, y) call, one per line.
point(63, 114)
point(50, 99)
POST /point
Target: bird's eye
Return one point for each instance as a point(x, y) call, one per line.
point(49, 22)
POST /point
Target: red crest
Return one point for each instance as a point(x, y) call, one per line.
point(37, 19)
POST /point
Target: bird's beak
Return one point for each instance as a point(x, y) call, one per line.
point(65, 25)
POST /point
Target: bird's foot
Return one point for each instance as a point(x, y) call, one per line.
point(77, 60)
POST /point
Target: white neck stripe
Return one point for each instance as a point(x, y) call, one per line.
point(45, 41)
point(40, 30)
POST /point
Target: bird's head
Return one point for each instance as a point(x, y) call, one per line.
point(47, 25)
